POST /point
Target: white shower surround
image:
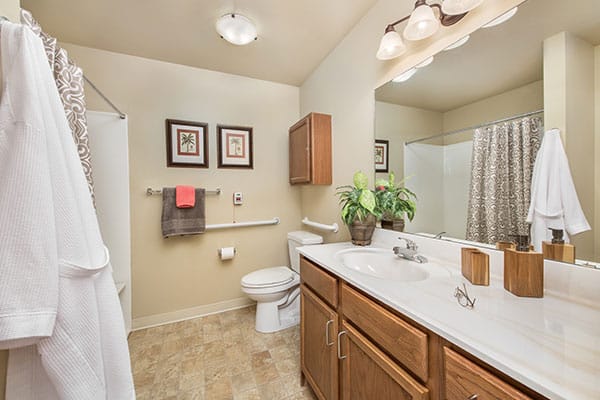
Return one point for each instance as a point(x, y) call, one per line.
point(110, 162)
point(439, 175)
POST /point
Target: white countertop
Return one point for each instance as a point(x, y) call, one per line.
point(551, 345)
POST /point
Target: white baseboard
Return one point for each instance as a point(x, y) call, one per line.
point(190, 313)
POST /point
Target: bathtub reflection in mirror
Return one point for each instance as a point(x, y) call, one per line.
point(478, 115)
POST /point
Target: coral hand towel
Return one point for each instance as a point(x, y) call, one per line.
point(185, 196)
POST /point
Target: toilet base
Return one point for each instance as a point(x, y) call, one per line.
point(272, 317)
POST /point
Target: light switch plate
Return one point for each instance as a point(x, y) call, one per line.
point(237, 198)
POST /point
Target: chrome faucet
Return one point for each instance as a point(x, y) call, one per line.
point(439, 235)
point(410, 252)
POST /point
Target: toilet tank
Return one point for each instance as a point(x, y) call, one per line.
point(297, 239)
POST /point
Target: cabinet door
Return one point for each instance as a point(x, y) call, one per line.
point(466, 380)
point(319, 327)
point(300, 162)
point(368, 374)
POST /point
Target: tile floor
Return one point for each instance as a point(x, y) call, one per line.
point(217, 357)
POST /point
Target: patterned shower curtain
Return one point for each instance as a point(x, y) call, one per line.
point(501, 169)
point(69, 81)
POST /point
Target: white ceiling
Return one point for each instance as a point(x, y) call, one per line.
point(495, 60)
point(294, 36)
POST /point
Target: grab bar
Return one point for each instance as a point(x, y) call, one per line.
point(332, 228)
point(274, 221)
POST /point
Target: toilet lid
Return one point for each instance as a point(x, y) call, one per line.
point(268, 277)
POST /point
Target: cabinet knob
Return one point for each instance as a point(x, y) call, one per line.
point(327, 333)
point(473, 397)
point(339, 345)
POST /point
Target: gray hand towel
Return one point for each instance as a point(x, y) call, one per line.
point(182, 221)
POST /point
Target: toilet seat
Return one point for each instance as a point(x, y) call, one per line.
point(268, 277)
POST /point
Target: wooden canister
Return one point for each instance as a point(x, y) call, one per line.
point(524, 273)
point(475, 266)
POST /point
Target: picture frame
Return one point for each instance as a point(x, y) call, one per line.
point(382, 155)
point(187, 144)
point(234, 147)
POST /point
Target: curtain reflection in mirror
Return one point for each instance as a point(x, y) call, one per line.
point(501, 168)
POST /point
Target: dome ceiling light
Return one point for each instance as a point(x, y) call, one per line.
point(423, 22)
point(503, 18)
point(236, 29)
point(405, 76)
point(458, 43)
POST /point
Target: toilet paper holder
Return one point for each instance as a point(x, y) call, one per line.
point(227, 253)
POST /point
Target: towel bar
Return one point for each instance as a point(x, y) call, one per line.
point(151, 192)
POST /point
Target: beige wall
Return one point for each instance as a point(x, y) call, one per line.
point(517, 101)
point(343, 85)
point(597, 153)
point(10, 9)
point(398, 124)
point(569, 105)
point(184, 272)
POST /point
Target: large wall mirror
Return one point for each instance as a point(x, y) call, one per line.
point(479, 113)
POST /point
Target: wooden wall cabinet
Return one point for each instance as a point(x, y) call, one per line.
point(354, 348)
point(310, 150)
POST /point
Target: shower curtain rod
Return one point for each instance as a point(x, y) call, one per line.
point(475, 127)
point(110, 103)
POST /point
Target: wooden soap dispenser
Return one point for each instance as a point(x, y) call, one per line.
point(557, 249)
point(524, 269)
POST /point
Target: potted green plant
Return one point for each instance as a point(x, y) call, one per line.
point(359, 209)
point(395, 203)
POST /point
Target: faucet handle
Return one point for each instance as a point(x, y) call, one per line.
point(409, 243)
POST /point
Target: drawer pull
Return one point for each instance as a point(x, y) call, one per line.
point(473, 397)
point(339, 345)
point(327, 333)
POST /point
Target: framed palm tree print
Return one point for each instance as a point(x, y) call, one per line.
point(187, 144)
point(234, 147)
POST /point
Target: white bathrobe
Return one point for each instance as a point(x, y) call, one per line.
point(59, 309)
point(554, 202)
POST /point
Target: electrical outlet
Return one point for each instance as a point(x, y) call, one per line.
point(237, 198)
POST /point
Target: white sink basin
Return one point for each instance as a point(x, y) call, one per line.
point(384, 264)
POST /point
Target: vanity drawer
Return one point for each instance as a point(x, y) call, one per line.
point(401, 340)
point(319, 281)
point(466, 380)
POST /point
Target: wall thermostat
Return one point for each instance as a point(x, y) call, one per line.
point(237, 198)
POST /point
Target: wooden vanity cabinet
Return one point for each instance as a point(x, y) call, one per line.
point(354, 348)
point(319, 325)
point(310, 150)
point(368, 373)
point(466, 380)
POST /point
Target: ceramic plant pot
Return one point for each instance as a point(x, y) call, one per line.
point(362, 231)
point(394, 225)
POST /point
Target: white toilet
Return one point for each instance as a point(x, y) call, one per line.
point(276, 290)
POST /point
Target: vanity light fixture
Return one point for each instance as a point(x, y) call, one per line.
point(458, 43)
point(423, 22)
point(391, 45)
point(236, 29)
point(457, 7)
point(503, 18)
point(425, 63)
point(405, 76)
